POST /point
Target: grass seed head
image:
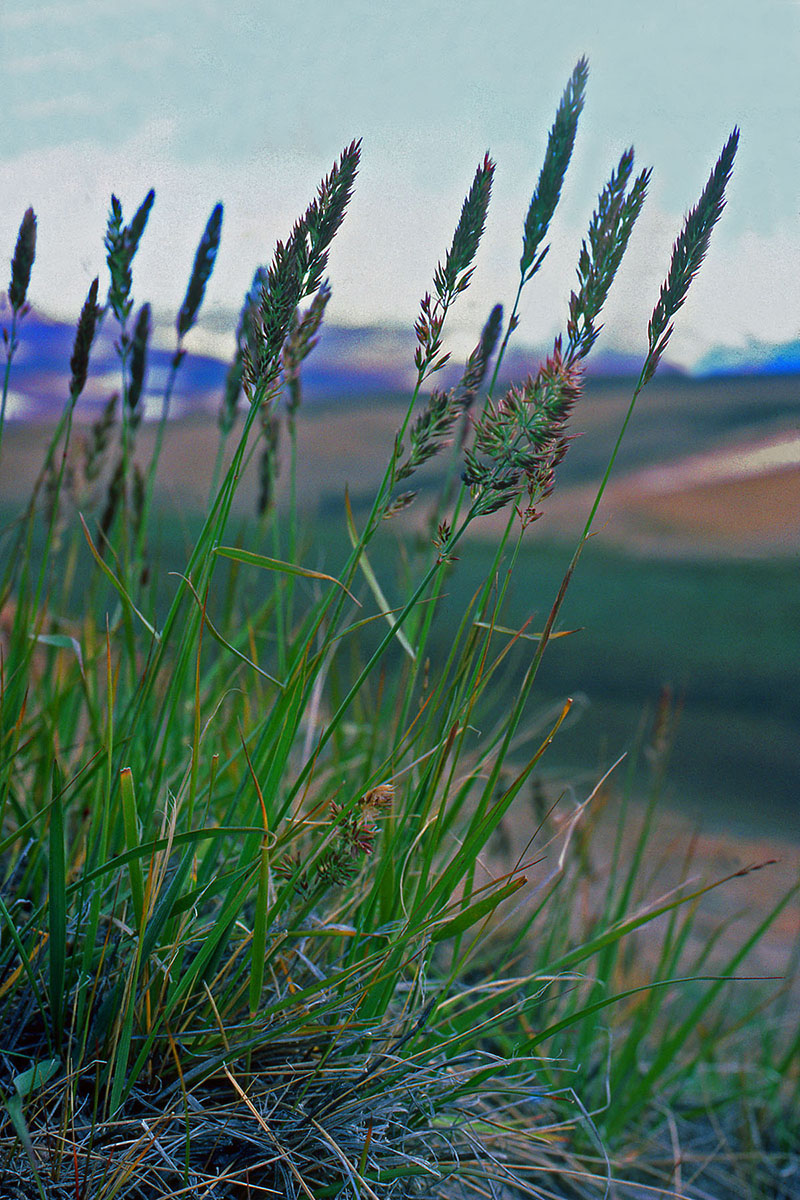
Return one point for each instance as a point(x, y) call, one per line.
point(113, 497)
point(84, 336)
point(22, 262)
point(431, 431)
point(453, 278)
point(478, 361)
point(99, 439)
point(139, 341)
point(204, 260)
point(520, 440)
point(560, 145)
point(121, 243)
point(688, 253)
point(380, 797)
point(295, 272)
point(602, 252)
point(138, 496)
point(268, 463)
point(399, 504)
point(245, 329)
point(456, 273)
point(300, 342)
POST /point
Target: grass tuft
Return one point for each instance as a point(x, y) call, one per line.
point(285, 906)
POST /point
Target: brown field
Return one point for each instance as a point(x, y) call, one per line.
point(694, 475)
point(754, 516)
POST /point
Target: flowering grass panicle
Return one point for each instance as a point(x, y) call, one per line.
point(269, 463)
point(84, 337)
point(138, 365)
point(295, 272)
point(478, 362)
point(601, 253)
point(114, 497)
point(431, 430)
point(520, 439)
point(300, 341)
point(453, 277)
point(99, 438)
point(560, 144)
point(688, 253)
point(204, 260)
point(245, 329)
point(122, 242)
point(22, 262)
point(547, 193)
point(21, 266)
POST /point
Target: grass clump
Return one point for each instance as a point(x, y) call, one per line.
point(252, 938)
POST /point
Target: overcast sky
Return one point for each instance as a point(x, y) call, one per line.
point(250, 102)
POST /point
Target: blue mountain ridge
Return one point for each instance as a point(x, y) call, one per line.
point(348, 362)
point(754, 358)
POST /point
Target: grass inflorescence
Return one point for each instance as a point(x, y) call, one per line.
point(256, 934)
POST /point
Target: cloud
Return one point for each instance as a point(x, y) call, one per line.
point(399, 226)
point(37, 17)
point(65, 58)
point(77, 104)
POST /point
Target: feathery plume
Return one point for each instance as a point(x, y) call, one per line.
point(22, 262)
point(296, 272)
point(520, 440)
point(141, 335)
point(601, 253)
point(299, 343)
point(560, 144)
point(84, 336)
point(688, 253)
point(121, 243)
point(204, 260)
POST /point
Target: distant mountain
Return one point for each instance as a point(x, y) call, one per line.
point(349, 362)
point(40, 370)
point(754, 358)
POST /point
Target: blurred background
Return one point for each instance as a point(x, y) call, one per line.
point(691, 583)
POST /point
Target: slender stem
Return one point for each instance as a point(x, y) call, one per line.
point(607, 474)
point(12, 345)
point(159, 440)
point(408, 607)
point(223, 441)
point(509, 330)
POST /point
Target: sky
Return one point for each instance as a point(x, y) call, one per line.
point(251, 101)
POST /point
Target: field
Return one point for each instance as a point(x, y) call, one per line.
point(691, 581)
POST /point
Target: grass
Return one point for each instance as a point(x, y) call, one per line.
point(257, 936)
